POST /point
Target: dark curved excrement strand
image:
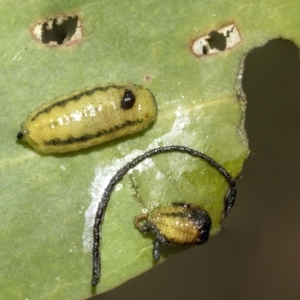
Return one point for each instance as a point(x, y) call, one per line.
point(228, 201)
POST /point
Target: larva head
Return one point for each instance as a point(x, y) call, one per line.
point(24, 135)
point(20, 135)
point(89, 117)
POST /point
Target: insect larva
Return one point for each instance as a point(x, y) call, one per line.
point(89, 117)
point(176, 224)
point(165, 222)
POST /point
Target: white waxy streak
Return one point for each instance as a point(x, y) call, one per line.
point(76, 116)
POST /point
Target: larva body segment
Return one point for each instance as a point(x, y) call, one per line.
point(89, 117)
point(181, 223)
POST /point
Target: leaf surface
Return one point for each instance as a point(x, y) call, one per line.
point(48, 202)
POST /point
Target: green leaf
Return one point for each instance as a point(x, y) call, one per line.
point(48, 202)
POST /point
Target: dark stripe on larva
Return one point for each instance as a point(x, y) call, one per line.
point(76, 97)
point(87, 137)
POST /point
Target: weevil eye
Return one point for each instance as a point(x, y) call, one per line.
point(128, 100)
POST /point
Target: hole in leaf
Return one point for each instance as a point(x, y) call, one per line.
point(59, 30)
point(217, 40)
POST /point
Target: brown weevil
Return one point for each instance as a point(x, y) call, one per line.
point(175, 224)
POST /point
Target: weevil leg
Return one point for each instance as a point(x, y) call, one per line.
point(147, 226)
point(160, 239)
point(156, 254)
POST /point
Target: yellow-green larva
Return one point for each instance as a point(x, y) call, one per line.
point(179, 223)
point(89, 117)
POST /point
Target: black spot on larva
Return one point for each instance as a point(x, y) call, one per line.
point(128, 100)
point(20, 135)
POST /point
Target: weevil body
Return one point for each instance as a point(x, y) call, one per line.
point(89, 117)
